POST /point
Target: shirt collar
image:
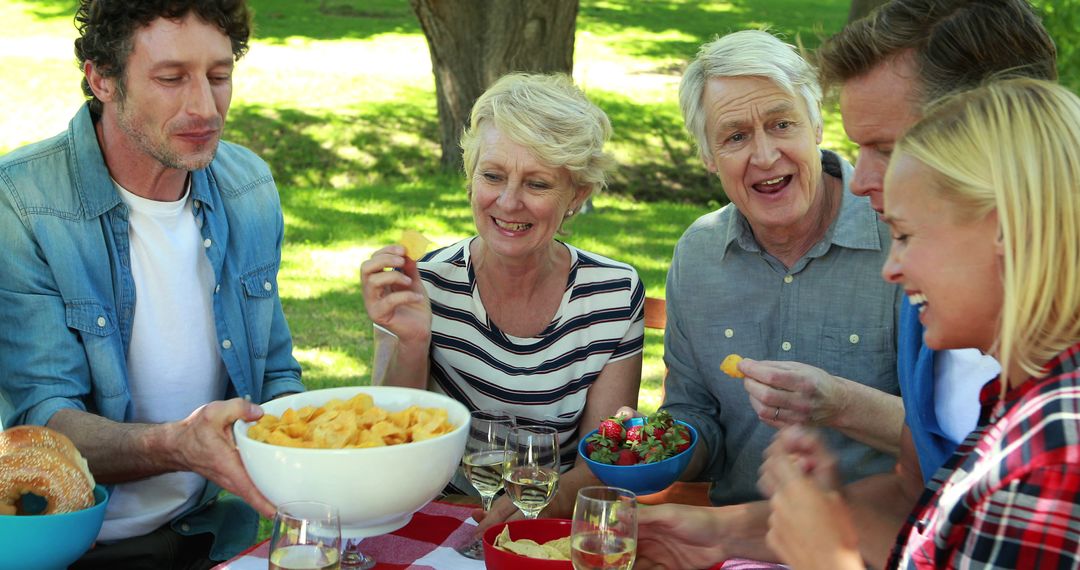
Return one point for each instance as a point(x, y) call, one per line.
point(855, 227)
point(92, 180)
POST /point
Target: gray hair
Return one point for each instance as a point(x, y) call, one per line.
point(551, 117)
point(746, 53)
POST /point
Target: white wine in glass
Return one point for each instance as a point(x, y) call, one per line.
point(531, 473)
point(485, 455)
point(603, 535)
point(306, 536)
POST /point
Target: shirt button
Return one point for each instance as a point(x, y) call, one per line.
point(217, 287)
point(226, 344)
point(206, 243)
point(267, 286)
point(728, 333)
point(788, 279)
point(185, 527)
point(854, 339)
point(786, 346)
point(101, 322)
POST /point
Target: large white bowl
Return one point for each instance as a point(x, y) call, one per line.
point(376, 489)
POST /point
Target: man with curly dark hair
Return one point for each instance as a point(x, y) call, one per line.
point(141, 290)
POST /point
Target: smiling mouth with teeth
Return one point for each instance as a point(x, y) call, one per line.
point(514, 227)
point(918, 300)
point(772, 185)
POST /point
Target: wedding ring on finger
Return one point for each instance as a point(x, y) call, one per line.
point(776, 416)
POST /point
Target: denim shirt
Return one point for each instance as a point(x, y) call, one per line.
point(68, 298)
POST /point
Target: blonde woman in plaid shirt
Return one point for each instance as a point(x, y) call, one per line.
point(983, 198)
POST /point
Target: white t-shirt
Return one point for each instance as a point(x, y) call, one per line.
point(173, 363)
point(959, 376)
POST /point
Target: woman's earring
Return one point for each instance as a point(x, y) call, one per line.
point(569, 212)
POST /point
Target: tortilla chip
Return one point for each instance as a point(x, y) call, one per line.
point(558, 549)
point(415, 243)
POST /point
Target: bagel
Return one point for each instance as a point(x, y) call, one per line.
point(43, 462)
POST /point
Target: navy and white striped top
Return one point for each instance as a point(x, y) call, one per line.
point(542, 380)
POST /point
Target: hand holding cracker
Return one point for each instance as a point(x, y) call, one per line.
point(730, 366)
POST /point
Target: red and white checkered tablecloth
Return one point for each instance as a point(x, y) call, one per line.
point(426, 543)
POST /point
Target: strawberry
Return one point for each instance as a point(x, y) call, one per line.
point(612, 429)
point(634, 435)
point(658, 424)
point(653, 451)
point(662, 418)
point(604, 455)
point(626, 457)
point(597, 441)
point(678, 438)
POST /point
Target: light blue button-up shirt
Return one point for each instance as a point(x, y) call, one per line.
point(67, 296)
point(831, 309)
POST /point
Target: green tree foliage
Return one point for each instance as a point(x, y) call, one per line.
point(1062, 20)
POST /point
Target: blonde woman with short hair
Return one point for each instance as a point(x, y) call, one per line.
point(983, 200)
point(514, 319)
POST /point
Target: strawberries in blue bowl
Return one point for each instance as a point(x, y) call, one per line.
point(643, 455)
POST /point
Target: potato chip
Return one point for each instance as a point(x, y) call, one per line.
point(416, 244)
point(557, 549)
point(357, 422)
point(730, 366)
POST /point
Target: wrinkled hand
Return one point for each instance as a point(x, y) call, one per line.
point(802, 393)
point(396, 300)
point(203, 443)
point(810, 525)
point(677, 537)
point(806, 450)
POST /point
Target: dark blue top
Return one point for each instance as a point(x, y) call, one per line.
point(915, 372)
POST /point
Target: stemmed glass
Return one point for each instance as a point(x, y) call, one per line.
point(485, 454)
point(531, 474)
point(603, 535)
point(306, 534)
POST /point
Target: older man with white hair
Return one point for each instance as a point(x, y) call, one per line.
point(787, 275)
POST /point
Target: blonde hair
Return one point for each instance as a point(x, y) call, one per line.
point(1014, 146)
point(551, 117)
point(748, 53)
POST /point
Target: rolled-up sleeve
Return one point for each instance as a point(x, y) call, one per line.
point(43, 367)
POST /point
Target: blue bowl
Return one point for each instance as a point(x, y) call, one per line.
point(50, 542)
point(643, 478)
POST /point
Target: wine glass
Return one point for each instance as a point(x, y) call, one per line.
point(485, 453)
point(603, 535)
point(531, 473)
point(307, 536)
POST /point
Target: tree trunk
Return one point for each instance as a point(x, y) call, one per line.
point(860, 8)
point(474, 42)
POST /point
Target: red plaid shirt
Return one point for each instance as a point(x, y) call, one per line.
point(1009, 497)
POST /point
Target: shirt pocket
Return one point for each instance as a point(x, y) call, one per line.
point(865, 355)
point(89, 318)
point(260, 290)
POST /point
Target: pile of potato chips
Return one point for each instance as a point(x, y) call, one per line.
point(558, 549)
point(353, 423)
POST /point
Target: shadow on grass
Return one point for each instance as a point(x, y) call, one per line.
point(660, 162)
point(692, 23)
point(277, 20)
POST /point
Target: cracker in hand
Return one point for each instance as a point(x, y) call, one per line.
point(730, 366)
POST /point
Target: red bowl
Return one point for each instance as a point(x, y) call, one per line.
point(539, 530)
